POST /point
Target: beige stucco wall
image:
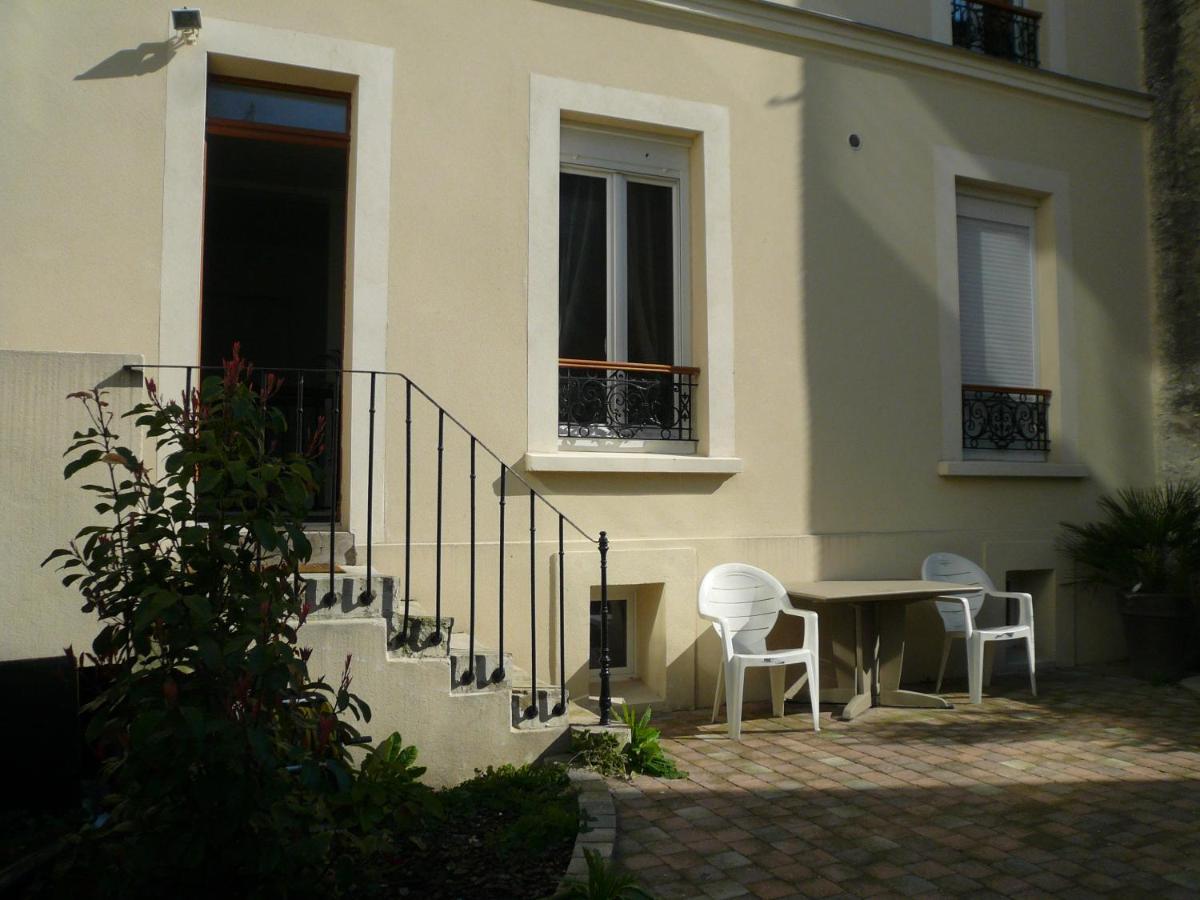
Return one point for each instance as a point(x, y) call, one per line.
point(834, 266)
point(41, 512)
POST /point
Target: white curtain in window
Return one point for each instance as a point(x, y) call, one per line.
point(996, 303)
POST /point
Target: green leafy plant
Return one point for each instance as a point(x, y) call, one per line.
point(599, 751)
point(644, 753)
point(226, 763)
point(1147, 542)
point(535, 804)
point(602, 752)
point(604, 882)
point(386, 797)
point(507, 832)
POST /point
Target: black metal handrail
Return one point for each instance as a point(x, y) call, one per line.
point(367, 596)
point(1005, 418)
point(997, 29)
point(601, 399)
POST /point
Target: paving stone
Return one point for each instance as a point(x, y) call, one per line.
point(722, 890)
point(1094, 787)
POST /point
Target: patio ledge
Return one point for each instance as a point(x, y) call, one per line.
point(596, 801)
point(632, 462)
point(992, 468)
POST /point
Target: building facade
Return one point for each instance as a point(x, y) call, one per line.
point(877, 276)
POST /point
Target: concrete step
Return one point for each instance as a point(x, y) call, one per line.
point(348, 588)
point(486, 670)
point(531, 712)
point(422, 626)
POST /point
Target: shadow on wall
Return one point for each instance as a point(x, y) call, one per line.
point(891, 278)
point(144, 59)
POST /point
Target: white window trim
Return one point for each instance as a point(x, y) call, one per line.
point(1058, 367)
point(618, 169)
point(551, 102)
point(1021, 215)
point(369, 69)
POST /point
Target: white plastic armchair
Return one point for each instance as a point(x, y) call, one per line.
point(958, 617)
point(743, 604)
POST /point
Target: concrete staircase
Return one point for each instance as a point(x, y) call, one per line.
point(462, 712)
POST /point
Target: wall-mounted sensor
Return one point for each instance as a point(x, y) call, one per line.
point(855, 142)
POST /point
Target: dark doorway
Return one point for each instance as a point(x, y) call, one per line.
point(275, 244)
point(274, 253)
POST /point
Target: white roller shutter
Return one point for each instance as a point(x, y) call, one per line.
point(996, 293)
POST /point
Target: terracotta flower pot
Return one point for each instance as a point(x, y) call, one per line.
point(1157, 632)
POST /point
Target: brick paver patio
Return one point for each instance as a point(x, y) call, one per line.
point(1091, 789)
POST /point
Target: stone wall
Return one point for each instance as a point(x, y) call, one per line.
point(1172, 54)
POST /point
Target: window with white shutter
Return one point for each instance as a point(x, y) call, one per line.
point(995, 293)
point(1003, 407)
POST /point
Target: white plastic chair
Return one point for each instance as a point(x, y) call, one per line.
point(743, 604)
point(958, 616)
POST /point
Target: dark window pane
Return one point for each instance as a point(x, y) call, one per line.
point(650, 248)
point(582, 267)
point(274, 269)
point(267, 106)
point(618, 634)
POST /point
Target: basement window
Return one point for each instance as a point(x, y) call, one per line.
point(620, 636)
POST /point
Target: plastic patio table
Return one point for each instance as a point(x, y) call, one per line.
point(879, 609)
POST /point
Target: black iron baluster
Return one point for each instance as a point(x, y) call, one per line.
point(531, 710)
point(677, 382)
point(561, 706)
point(368, 594)
point(300, 413)
point(262, 449)
point(436, 637)
point(187, 394)
point(407, 504)
point(498, 675)
point(605, 658)
point(299, 448)
point(191, 409)
point(330, 598)
point(468, 675)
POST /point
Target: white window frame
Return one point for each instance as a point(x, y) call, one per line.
point(1021, 212)
point(1050, 190)
point(553, 102)
point(613, 156)
point(272, 54)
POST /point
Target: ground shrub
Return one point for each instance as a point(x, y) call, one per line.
point(507, 832)
point(602, 752)
point(226, 766)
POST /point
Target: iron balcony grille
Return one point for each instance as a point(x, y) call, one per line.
point(997, 29)
point(629, 401)
point(1004, 418)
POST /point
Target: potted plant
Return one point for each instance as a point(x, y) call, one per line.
point(1147, 547)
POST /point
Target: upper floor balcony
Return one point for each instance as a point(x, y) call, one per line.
point(997, 29)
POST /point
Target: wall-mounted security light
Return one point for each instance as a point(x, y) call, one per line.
point(187, 23)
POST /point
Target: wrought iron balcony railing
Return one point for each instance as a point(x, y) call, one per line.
point(997, 29)
point(1004, 418)
point(629, 401)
